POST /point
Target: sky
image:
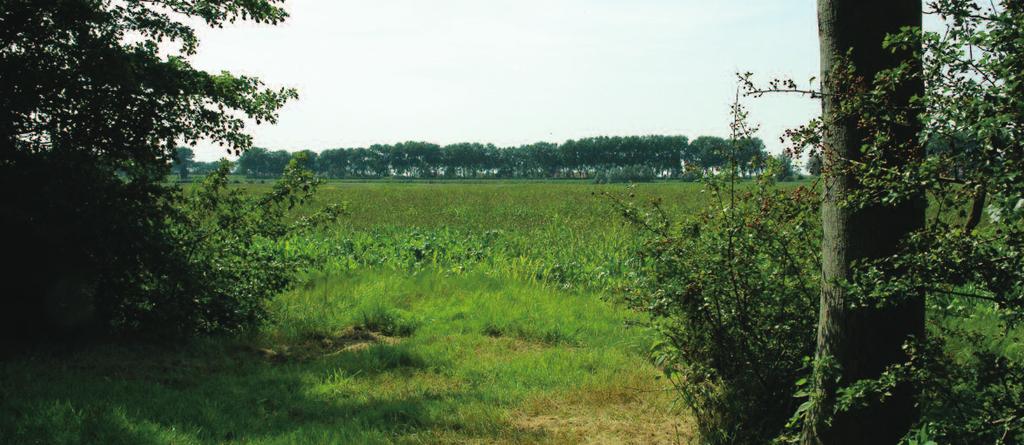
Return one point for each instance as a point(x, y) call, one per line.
point(516, 72)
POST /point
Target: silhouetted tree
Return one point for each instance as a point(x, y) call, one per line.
point(184, 157)
point(814, 164)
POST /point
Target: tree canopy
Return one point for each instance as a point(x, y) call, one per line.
point(667, 156)
point(95, 98)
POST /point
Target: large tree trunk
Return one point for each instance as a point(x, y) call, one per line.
point(861, 342)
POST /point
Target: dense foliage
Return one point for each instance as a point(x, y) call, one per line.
point(662, 156)
point(94, 97)
point(968, 260)
point(227, 257)
point(733, 290)
point(971, 268)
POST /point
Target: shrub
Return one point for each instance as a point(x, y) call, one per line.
point(733, 292)
point(228, 259)
point(971, 383)
point(208, 262)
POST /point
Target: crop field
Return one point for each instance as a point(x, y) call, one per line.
point(440, 313)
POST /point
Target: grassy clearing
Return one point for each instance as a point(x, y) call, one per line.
point(443, 313)
point(373, 357)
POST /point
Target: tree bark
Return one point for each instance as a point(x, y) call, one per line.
point(861, 342)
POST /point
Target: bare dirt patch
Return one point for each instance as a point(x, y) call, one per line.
point(314, 346)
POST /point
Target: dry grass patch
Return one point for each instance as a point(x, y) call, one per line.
point(636, 410)
point(355, 338)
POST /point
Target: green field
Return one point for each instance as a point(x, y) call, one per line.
point(441, 313)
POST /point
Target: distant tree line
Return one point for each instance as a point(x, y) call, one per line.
point(665, 156)
point(184, 164)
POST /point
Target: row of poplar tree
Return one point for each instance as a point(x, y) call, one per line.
point(663, 156)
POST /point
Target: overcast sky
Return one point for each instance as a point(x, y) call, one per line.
point(510, 72)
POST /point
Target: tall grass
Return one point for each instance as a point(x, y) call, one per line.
point(564, 233)
point(437, 313)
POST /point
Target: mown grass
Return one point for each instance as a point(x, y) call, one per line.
point(440, 313)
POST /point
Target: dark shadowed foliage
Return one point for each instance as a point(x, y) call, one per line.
point(90, 115)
